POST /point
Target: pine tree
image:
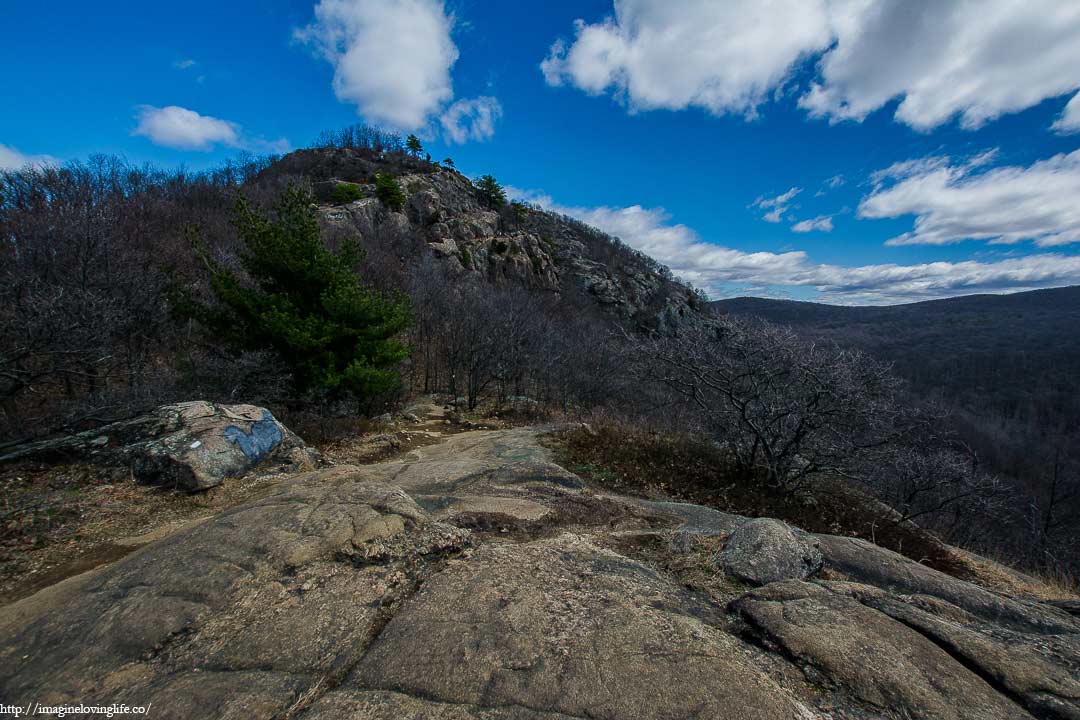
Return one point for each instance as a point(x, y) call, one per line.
point(413, 144)
point(490, 192)
point(389, 191)
point(305, 303)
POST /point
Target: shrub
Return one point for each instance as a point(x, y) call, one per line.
point(389, 191)
point(304, 303)
point(346, 192)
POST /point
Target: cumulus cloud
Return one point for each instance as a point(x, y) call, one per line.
point(979, 59)
point(725, 57)
point(391, 58)
point(12, 159)
point(975, 60)
point(776, 206)
point(1069, 120)
point(822, 223)
point(956, 201)
point(725, 271)
point(470, 119)
point(183, 129)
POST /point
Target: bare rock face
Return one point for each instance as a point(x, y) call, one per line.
point(189, 446)
point(544, 252)
point(478, 579)
point(884, 663)
point(867, 563)
point(763, 550)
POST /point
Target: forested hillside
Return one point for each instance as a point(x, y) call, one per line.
point(1006, 367)
point(1014, 356)
point(504, 298)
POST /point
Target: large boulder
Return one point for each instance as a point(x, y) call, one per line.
point(189, 446)
point(764, 550)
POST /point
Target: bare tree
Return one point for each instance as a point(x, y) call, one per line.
point(787, 408)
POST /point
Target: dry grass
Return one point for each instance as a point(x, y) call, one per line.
point(1036, 584)
point(659, 465)
point(62, 519)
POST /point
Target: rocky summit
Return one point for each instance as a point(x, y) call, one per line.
point(477, 578)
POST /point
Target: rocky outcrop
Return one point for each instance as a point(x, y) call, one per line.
point(878, 660)
point(537, 250)
point(477, 578)
point(188, 446)
point(867, 563)
point(764, 550)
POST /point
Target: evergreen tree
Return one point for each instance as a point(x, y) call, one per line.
point(490, 192)
point(389, 191)
point(448, 162)
point(413, 144)
point(305, 303)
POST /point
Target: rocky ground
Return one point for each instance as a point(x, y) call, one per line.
point(476, 578)
point(60, 517)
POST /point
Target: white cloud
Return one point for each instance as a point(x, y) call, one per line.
point(184, 129)
point(470, 119)
point(1069, 120)
point(822, 223)
point(776, 206)
point(724, 271)
point(835, 181)
point(725, 57)
point(12, 159)
point(978, 60)
point(876, 284)
point(391, 58)
point(184, 64)
point(953, 201)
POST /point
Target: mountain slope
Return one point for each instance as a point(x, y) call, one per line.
point(1017, 355)
point(513, 245)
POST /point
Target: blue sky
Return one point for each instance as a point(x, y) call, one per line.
point(838, 150)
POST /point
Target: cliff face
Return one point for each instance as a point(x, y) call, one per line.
point(524, 246)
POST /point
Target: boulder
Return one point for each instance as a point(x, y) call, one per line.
point(188, 446)
point(764, 550)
